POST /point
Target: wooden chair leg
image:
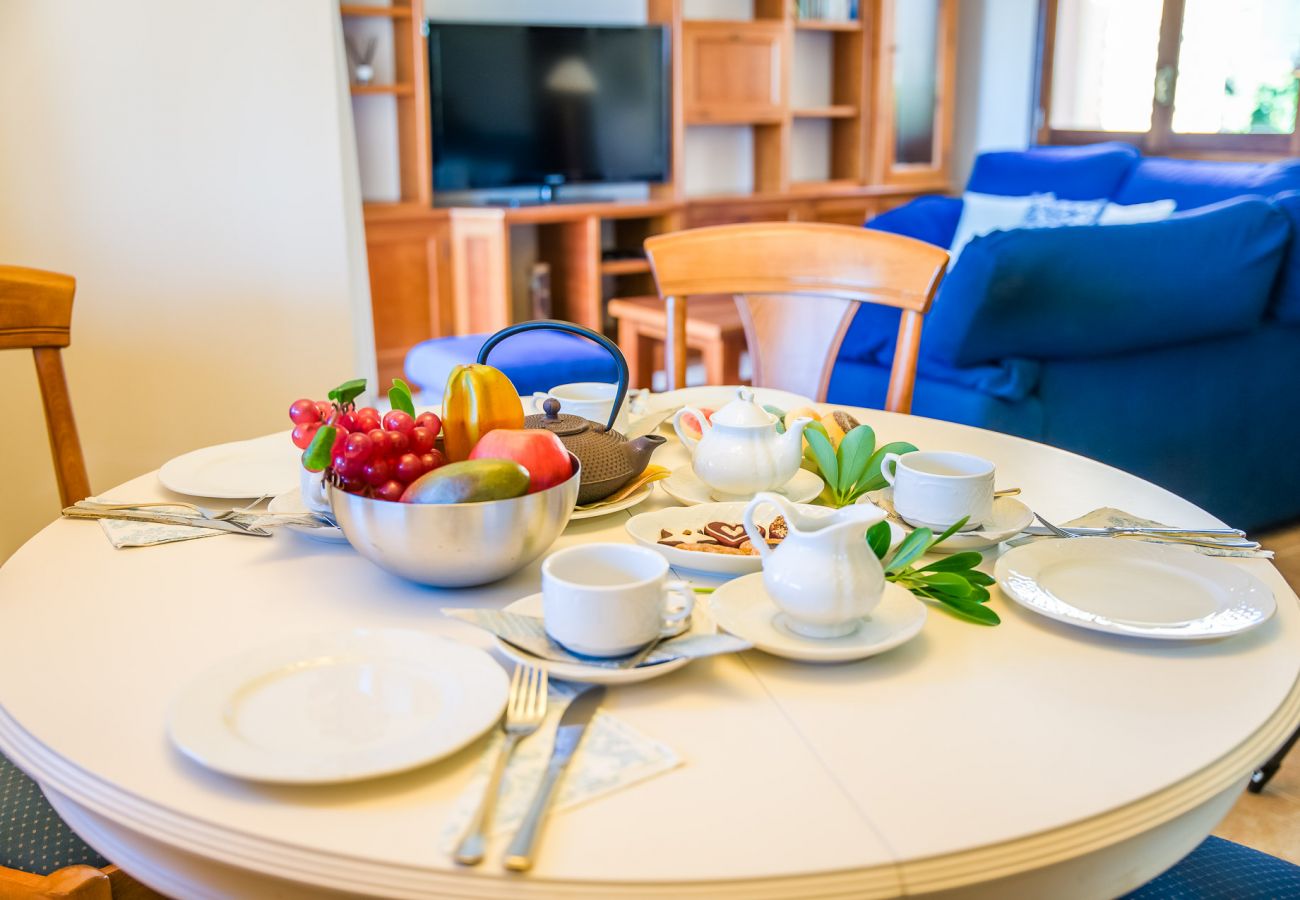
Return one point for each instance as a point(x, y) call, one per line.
point(732, 348)
point(715, 363)
point(72, 882)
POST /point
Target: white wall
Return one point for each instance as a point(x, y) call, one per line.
point(192, 166)
point(995, 73)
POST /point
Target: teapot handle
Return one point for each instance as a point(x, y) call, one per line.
point(751, 529)
point(556, 325)
point(689, 442)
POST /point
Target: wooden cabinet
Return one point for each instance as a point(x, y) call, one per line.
point(915, 89)
point(885, 112)
point(410, 286)
point(734, 72)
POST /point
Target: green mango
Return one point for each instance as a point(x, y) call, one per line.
point(470, 481)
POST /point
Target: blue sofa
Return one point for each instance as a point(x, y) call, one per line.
point(1170, 349)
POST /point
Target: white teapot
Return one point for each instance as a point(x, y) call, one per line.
point(740, 451)
point(823, 575)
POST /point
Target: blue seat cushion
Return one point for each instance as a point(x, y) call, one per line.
point(1192, 183)
point(1286, 296)
point(1221, 870)
point(1089, 172)
point(533, 361)
point(1092, 290)
point(33, 838)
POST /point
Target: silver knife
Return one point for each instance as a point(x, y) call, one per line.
point(74, 512)
point(573, 724)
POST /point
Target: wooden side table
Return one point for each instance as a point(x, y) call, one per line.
point(713, 327)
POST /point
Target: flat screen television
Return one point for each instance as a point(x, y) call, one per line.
point(547, 105)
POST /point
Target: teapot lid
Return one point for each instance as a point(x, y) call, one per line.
point(560, 424)
point(743, 411)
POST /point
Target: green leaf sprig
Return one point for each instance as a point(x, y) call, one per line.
point(952, 581)
point(399, 396)
point(853, 469)
point(343, 395)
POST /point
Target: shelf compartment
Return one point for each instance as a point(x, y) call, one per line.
point(732, 72)
point(358, 10)
point(394, 90)
point(828, 24)
point(836, 111)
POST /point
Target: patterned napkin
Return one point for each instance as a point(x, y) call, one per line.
point(1106, 517)
point(528, 633)
point(125, 533)
point(612, 756)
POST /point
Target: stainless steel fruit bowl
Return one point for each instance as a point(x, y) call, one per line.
point(456, 544)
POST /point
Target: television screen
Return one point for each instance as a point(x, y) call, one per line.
point(532, 105)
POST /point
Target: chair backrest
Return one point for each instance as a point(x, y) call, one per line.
point(36, 313)
point(798, 285)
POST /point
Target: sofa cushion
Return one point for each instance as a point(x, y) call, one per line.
point(1193, 182)
point(932, 219)
point(1092, 290)
point(982, 214)
point(1121, 214)
point(1286, 296)
point(1071, 173)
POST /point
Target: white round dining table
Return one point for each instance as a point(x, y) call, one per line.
point(1029, 759)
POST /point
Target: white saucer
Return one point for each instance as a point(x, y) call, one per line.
point(744, 608)
point(338, 707)
point(291, 503)
point(532, 606)
point(1134, 588)
point(716, 396)
point(685, 487)
point(1010, 517)
point(635, 498)
point(646, 527)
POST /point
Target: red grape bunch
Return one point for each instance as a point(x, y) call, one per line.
point(374, 455)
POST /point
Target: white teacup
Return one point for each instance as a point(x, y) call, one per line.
point(312, 487)
point(936, 488)
point(611, 599)
point(592, 400)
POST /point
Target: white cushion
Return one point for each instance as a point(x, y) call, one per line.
point(983, 213)
point(1049, 212)
point(1119, 214)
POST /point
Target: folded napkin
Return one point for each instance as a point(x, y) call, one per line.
point(649, 475)
point(528, 633)
point(612, 756)
point(1106, 517)
point(126, 533)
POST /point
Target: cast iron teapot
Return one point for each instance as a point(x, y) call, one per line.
point(609, 460)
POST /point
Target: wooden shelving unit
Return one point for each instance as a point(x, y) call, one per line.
point(439, 271)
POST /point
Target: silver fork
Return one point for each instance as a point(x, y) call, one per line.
point(1192, 538)
point(524, 713)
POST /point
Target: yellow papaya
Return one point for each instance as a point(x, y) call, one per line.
point(478, 399)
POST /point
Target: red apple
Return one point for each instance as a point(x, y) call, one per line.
point(536, 449)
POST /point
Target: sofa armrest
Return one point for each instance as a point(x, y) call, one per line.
point(1087, 291)
point(932, 219)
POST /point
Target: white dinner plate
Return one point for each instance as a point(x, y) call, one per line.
point(1134, 588)
point(291, 503)
point(716, 397)
point(744, 608)
point(684, 486)
point(634, 499)
point(646, 530)
point(262, 467)
point(532, 606)
point(1010, 517)
point(338, 707)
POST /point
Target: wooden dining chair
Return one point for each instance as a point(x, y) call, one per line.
point(40, 856)
point(798, 285)
point(36, 314)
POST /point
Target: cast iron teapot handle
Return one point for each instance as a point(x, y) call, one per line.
point(571, 328)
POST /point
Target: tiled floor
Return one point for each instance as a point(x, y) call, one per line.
point(1270, 821)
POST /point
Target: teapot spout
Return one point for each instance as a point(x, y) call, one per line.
point(791, 442)
point(638, 451)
